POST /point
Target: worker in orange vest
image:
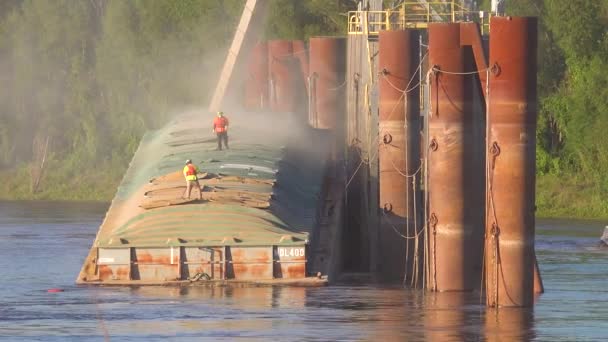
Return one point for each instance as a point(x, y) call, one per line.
point(190, 171)
point(220, 127)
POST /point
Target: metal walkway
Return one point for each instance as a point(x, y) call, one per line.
point(414, 15)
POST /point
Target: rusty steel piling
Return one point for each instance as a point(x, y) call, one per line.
point(399, 153)
point(299, 73)
point(300, 52)
point(256, 84)
point(282, 83)
point(451, 178)
point(511, 153)
point(326, 81)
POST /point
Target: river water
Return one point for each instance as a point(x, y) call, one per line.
point(43, 245)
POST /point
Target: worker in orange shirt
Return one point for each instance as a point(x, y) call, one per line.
point(190, 173)
point(220, 127)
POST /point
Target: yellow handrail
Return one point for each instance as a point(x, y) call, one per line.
point(412, 15)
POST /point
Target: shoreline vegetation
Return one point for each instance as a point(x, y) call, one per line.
point(89, 78)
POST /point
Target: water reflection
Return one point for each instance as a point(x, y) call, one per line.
point(509, 324)
point(42, 246)
point(207, 311)
point(445, 318)
point(245, 296)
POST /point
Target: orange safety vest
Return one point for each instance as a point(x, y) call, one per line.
point(190, 172)
point(220, 123)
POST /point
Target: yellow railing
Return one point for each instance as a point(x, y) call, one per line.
point(412, 15)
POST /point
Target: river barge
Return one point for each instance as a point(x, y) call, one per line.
point(260, 207)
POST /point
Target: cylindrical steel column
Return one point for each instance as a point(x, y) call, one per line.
point(327, 72)
point(301, 54)
point(256, 84)
point(399, 151)
point(450, 176)
point(511, 155)
point(300, 78)
point(282, 84)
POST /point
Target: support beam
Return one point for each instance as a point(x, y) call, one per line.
point(249, 26)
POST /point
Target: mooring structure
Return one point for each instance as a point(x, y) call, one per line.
point(434, 119)
point(409, 158)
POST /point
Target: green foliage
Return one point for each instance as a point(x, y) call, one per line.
point(297, 19)
point(572, 159)
point(92, 76)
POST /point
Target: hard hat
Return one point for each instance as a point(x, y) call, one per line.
point(188, 161)
point(220, 113)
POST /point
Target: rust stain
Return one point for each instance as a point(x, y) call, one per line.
point(114, 273)
point(123, 273)
point(252, 271)
point(144, 257)
point(259, 270)
point(250, 255)
point(105, 272)
point(293, 271)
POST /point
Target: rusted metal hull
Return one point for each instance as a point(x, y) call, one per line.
point(451, 177)
point(235, 283)
point(511, 154)
point(254, 221)
point(282, 81)
point(399, 152)
point(327, 72)
point(256, 84)
point(162, 264)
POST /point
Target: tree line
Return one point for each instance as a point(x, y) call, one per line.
point(572, 158)
point(83, 80)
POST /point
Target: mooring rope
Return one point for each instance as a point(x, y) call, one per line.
point(410, 237)
point(460, 73)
